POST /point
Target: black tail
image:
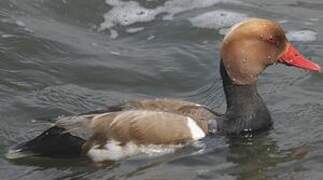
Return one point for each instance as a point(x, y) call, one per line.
point(54, 142)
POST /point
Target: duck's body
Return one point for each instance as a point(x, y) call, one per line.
point(144, 125)
point(149, 125)
point(141, 126)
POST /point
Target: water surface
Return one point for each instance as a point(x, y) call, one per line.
point(62, 57)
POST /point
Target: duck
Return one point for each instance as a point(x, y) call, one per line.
point(149, 125)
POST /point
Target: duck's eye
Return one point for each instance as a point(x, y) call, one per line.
point(272, 41)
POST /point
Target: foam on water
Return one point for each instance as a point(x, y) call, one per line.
point(125, 13)
point(113, 34)
point(7, 35)
point(174, 7)
point(20, 23)
point(303, 35)
point(134, 30)
point(217, 19)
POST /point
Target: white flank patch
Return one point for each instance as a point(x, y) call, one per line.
point(113, 151)
point(97, 154)
point(196, 131)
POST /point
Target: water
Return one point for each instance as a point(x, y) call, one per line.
point(60, 57)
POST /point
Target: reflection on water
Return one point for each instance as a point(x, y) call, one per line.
point(61, 57)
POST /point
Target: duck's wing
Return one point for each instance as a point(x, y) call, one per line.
point(158, 110)
point(139, 125)
point(158, 104)
point(82, 125)
point(198, 112)
point(143, 127)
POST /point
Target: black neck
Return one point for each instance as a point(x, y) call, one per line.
point(245, 108)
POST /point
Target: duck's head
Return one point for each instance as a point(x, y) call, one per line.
point(252, 45)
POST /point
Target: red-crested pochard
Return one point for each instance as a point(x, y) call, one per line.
point(147, 125)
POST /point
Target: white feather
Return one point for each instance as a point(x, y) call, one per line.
point(114, 151)
point(196, 131)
